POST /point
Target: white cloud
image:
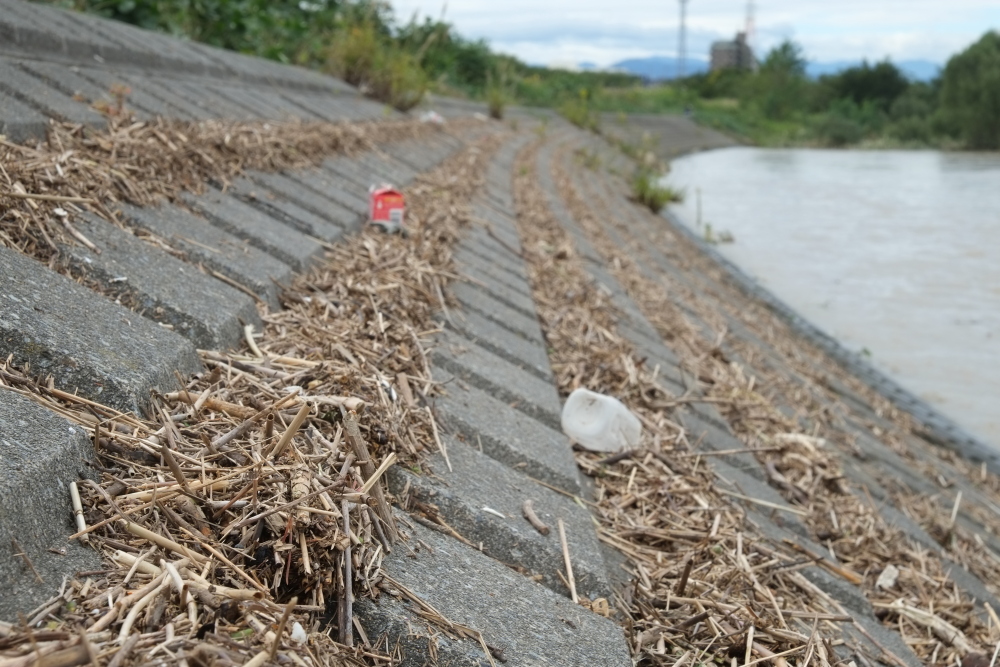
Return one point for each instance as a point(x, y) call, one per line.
point(603, 32)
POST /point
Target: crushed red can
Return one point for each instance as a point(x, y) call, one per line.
point(386, 207)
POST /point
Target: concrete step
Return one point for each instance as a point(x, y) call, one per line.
point(89, 345)
point(504, 343)
point(325, 207)
point(138, 98)
point(36, 93)
point(20, 122)
point(262, 231)
point(217, 250)
point(506, 434)
point(485, 271)
point(324, 228)
point(475, 482)
point(526, 623)
point(352, 197)
point(510, 383)
point(161, 287)
point(474, 298)
point(40, 454)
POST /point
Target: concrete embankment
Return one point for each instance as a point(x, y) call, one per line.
point(770, 496)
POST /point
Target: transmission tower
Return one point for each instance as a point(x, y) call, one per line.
point(682, 41)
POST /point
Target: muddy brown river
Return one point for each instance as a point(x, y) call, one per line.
point(895, 253)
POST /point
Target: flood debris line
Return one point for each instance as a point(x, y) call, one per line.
point(705, 585)
point(44, 185)
point(239, 523)
point(799, 430)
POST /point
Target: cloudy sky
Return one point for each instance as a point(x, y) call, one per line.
point(604, 32)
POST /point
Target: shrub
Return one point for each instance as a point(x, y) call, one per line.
point(496, 100)
point(578, 112)
point(970, 93)
point(646, 190)
point(360, 56)
point(836, 130)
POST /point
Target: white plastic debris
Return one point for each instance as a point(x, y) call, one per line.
point(600, 423)
point(299, 635)
point(432, 117)
point(887, 579)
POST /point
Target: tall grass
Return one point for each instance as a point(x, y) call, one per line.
point(364, 58)
point(647, 190)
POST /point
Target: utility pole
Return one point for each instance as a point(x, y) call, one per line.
point(681, 42)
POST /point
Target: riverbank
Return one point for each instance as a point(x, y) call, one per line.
point(240, 380)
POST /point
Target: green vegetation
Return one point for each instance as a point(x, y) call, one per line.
point(360, 40)
point(871, 105)
point(970, 93)
point(647, 190)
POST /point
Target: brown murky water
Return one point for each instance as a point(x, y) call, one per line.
point(896, 253)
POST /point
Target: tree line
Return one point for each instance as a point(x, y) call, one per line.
point(397, 62)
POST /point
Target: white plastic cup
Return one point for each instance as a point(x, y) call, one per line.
point(600, 423)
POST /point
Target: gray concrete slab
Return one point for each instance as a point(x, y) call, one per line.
point(87, 343)
point(36, 93)
point(352, 173)
point(501, 222)
point(254, 103)
point(485, 271)
point(472, 297)
point(477, 481)
point(217, 250)
point(162, 88)
point(511, 383)
point(290, 213)
point(262, 231)
point(532, 625)
point(497, 289)
point(348, 194)
point(36, 444)
point(65, 79)
point(76, 42)
point(87, 40)
point(272, 95)
point(507, 435)
point(19, 122)
point(286, 188)
point(315, 105)
point(337, 108)
point(200, 93)
point(482, 242)
point(495, 255)
point(161, 287)
point(383, 168)
point(27, 32)
point(138, 98)
point(506, 344)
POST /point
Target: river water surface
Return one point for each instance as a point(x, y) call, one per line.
point(895, 253)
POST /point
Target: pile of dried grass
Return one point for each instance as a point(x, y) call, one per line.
point(756, 393)
point(76, 168)
point(250, 505)
point(706, 585)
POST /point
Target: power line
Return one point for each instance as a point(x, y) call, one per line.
point(682, 41)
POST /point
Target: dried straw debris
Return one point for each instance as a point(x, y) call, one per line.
point(239, 521)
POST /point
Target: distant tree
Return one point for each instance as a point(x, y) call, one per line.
point(970, 93)
point(785, 59)
point(881, 84)
point(779, 87)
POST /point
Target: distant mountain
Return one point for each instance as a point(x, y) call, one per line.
point(917, 70)
point(659, 68)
